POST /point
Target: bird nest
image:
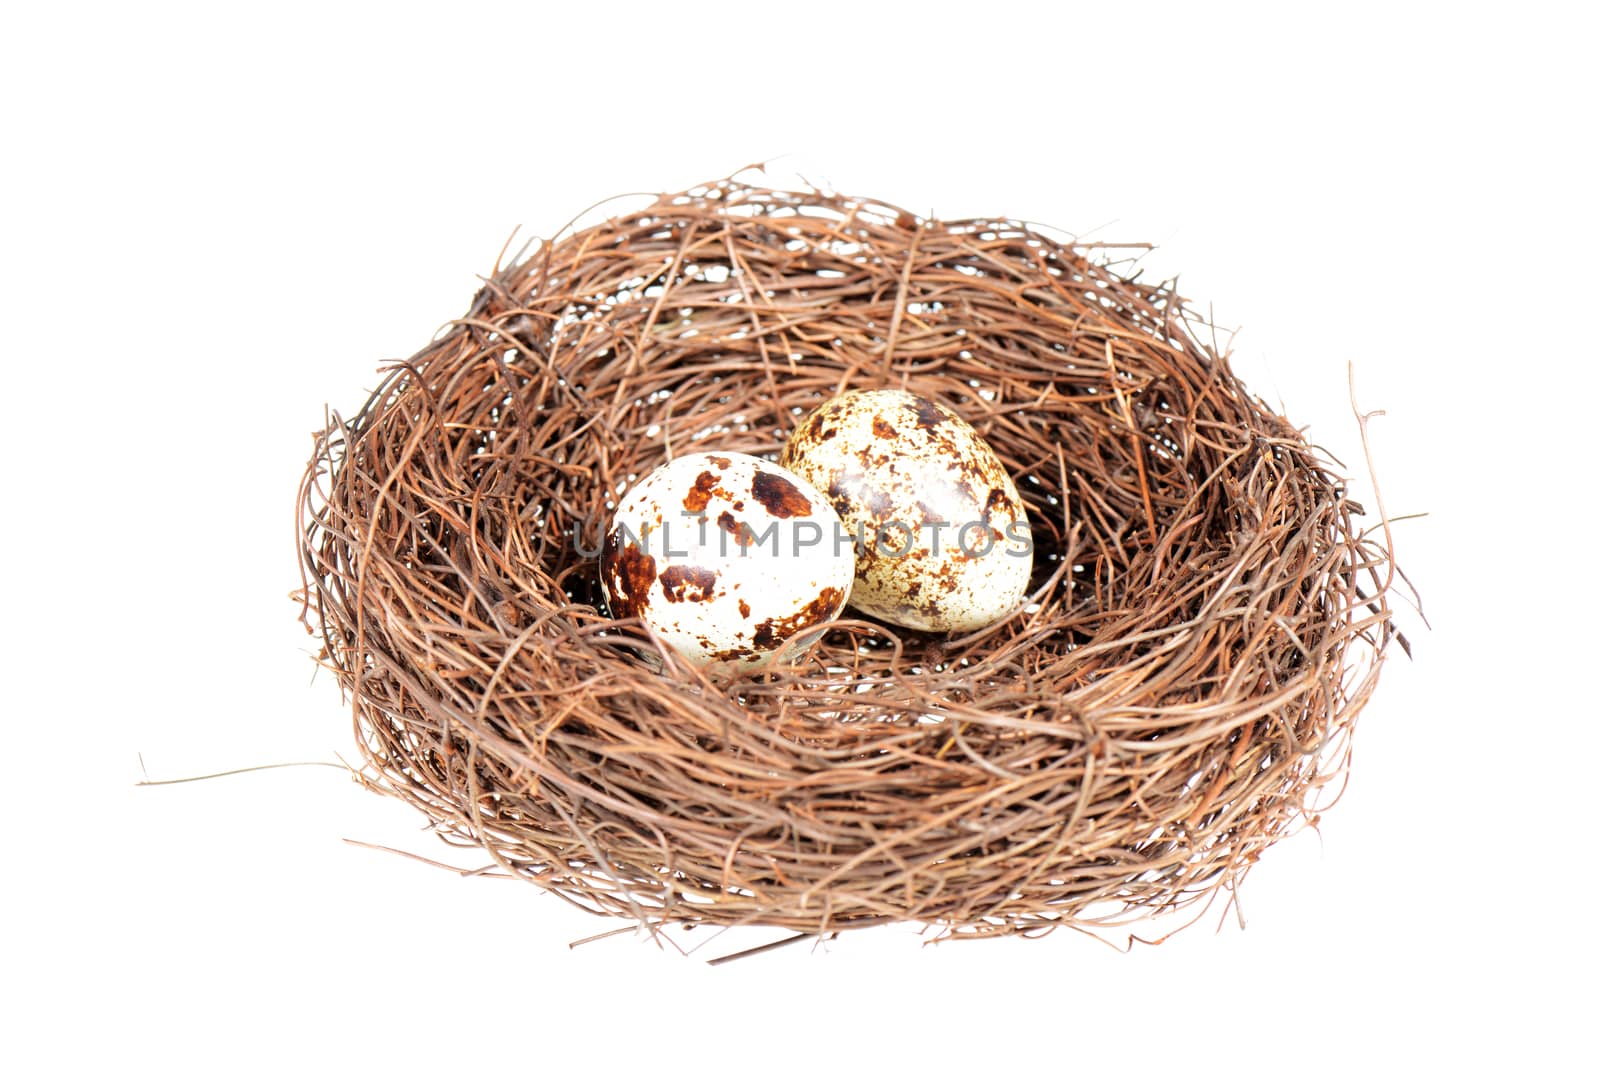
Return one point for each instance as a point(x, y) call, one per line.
point(1206, 614)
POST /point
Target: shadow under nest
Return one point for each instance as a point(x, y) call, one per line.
point(1206, 615)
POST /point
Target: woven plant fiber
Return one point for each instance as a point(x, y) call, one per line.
point(1207, 614)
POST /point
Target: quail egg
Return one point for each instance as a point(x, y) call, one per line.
point(723, 556)
point(943, 540)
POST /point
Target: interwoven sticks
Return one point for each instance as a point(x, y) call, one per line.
point(1207, 615)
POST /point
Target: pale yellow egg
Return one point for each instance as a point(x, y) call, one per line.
point(943, 539)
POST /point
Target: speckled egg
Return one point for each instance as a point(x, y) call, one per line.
point(944, 542)
point(724, 556)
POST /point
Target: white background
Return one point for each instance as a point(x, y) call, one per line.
point(216, 221)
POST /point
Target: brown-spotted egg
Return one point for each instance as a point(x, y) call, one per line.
point(723, 556)
point(944, 540)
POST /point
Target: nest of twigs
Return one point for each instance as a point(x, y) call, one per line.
point(1207, 613)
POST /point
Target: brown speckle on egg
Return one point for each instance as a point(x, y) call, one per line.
point(928, 413)
point(844, 489)
point(742, 536)
point(629, 576)
point(780, 496)
point(771, 633)
point(685, 582)
point(699, 494)
point(997, 502)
